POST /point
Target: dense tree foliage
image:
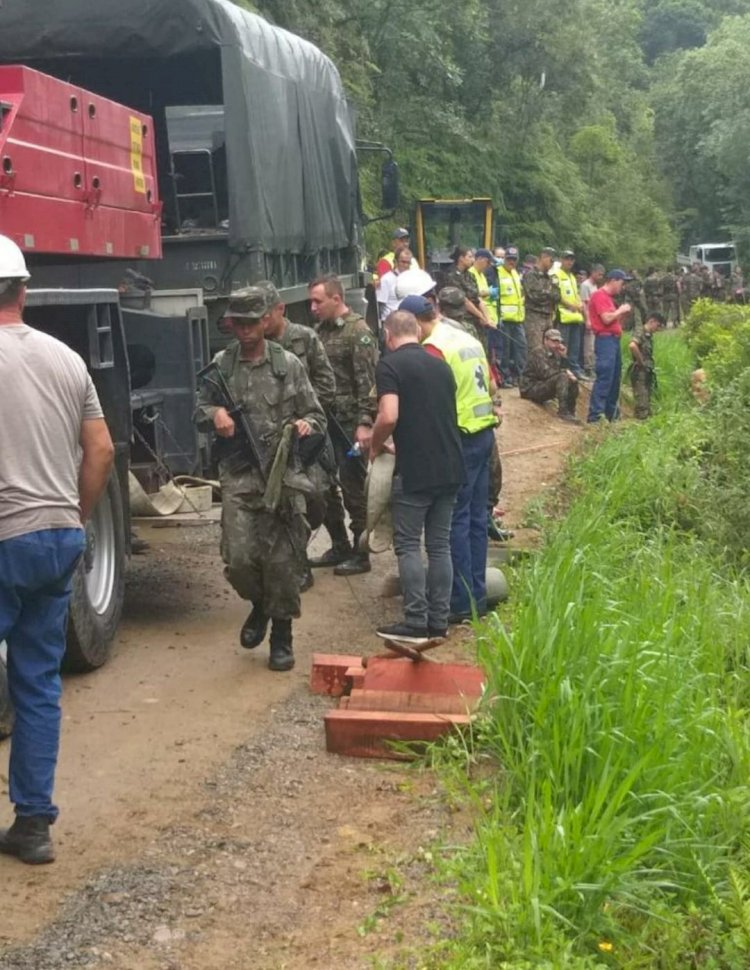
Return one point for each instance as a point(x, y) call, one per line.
point(612, 127)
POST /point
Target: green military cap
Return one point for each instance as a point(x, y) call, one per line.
point(273, 293)
point(251, 303)
point(549, 251)
point(451, 296)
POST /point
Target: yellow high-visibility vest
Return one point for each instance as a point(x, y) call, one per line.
point(466, 358)
point(484, 294)
point(512, 300)
point(568, 291)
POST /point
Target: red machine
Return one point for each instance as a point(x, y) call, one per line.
point(77, 171)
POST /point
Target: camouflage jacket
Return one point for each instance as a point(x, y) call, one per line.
point(653, 287)
point(353, 354)
point(542, 292)
point(269, 399)
point(645, 343)
point(465, 282)
point(540, 367)
point(307, 347)
point(669, 287)
point(692, 285)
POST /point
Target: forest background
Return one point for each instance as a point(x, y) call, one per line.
point(617, 128)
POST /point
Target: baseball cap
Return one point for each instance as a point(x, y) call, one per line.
point(567, 254)
point(617, 274)
point(483, 254)
point(549, 251)
point(251, 303)
point(511, 253)
point(553, 335)
point(400, 233)
point(416, 304)
point(451, 296)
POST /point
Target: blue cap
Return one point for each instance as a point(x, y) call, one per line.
point(483, 254)
point(617, 274)
point(416, 304)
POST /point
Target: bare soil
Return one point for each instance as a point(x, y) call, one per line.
point(202, 823)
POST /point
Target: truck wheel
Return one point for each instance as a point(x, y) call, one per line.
point(98, 585)
point(6, 708)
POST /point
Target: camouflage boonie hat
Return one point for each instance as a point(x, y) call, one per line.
point(451, 296)
point(252, 303)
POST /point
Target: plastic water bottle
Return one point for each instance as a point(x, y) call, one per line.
point(355, 451)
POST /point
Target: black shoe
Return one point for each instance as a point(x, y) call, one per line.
point(353, 566)
point(28, 839)
point(456, 618)
point(282, 654)
point(569, 418)
point(496, 533)
point(308, 580)
point(437, 633)
point(403, 632)
point(335, 555)
point(254, 629)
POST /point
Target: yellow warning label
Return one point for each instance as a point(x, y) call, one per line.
point(136, 155)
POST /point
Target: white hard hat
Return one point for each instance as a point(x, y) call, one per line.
point(413, 282)
point(12, 263)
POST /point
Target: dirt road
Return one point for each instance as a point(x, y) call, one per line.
point(202, 823)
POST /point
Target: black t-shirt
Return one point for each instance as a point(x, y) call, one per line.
point(428, 445)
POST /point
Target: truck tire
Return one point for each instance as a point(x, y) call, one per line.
point(98, 585)
point(6, 708)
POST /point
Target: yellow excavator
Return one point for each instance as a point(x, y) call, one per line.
point(439, 225)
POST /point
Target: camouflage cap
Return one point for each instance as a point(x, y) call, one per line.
point(553, 334)
point(451, 296)
point(273, 293)
point(251, 303)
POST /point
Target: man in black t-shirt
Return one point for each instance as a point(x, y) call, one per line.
point(417, 405)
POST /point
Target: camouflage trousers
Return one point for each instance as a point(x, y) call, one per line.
point(264, 555)
point(352, 483)
point(671, 311)
point(535, 325)
point(559, 388)
point(641, 380)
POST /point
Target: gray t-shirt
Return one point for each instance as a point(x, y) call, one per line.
point(45, 395)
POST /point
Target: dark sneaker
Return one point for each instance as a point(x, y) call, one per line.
point(308, 580)
point(437, 633)
point(334, 556)
point(403, 632)
point(254, 629)
point(454, 619)
point(354, 566)
point(570, 418)
point(28, 839)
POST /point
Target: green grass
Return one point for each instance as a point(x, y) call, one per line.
point(615, 830)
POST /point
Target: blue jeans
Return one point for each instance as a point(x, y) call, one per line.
point(469, 526)
point(573, 336)
point(426, 595)
point(495, 341)
point(606, 391)
point(514, 350)
point(35, 579)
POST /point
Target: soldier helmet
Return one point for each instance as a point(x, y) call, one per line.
point(250, 303)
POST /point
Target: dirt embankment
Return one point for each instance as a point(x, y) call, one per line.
point(202, 823)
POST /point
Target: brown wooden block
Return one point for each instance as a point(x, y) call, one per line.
point(355, 676)
point(423, 678)
point(366, 734)
point(398, 700)
point(328, 673)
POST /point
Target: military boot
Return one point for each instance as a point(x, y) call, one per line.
point(308, 580)
point(339, 552)
point(282, 656)
point(358, 562)
point(28, 839)
point(254, 629)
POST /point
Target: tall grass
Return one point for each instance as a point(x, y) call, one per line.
point(615, 835)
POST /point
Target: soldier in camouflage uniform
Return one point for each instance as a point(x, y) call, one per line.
point(263, 542)
point(641, 371)
point(473, 316)
point(670, 298)
point(632, 293)
point(548, 376)
point(542, 295)
point(306, 346)
point(653, 291)
point(692, 285)
point(353, 353)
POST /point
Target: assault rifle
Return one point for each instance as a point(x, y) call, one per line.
point(244, 443)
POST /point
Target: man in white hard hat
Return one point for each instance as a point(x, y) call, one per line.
point(57, 455)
